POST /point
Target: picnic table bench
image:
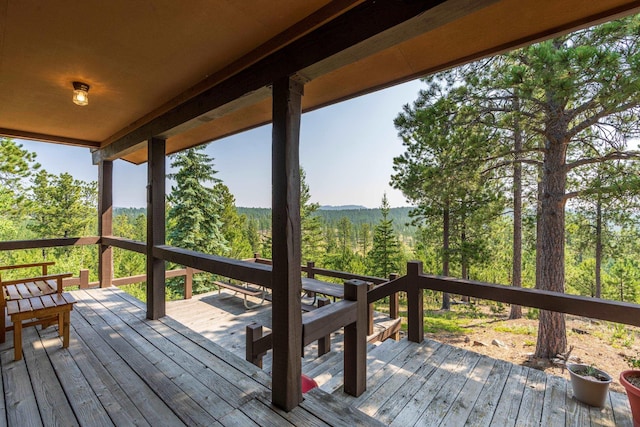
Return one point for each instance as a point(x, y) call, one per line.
point(245, 289)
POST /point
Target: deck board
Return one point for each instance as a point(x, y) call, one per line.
point(123, 369)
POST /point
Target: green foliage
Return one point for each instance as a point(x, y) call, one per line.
point(233, 225)
point(385, 256)
point(62, 206)
point(443, 322)
point(195, 212)
point(311, 225)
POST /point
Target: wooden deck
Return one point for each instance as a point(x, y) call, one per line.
point(419, 384)
point(121, 369)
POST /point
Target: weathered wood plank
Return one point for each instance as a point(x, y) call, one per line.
point(189, 398)
point(386, 382)
point(20, 400)
point(434, 400)
point(553, 405)
point(621, 410)
point(487, 401)
point(334, 411)
point(509, 404)
point(52, 402)
point(531, 405)
point(86, 406)
point(461, 407)
point(144, 397)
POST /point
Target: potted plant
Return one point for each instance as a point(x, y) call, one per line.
point(630, 379)
point(590, 385)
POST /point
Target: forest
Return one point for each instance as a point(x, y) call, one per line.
point(523, 170)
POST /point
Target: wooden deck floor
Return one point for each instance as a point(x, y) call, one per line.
point(420, 384)
point(121, 369)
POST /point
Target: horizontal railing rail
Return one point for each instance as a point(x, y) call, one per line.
point(122, 243)
point(12, 245)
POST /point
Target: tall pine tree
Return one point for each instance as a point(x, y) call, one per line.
point(385, 256)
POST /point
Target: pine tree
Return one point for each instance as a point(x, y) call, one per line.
point(195, 209)
point(385, 256)
point(310, 223)
point(233, 225)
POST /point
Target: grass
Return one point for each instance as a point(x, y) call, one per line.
point(515, 329)
point(447, 322)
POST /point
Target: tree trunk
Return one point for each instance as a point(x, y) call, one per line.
point(552, 338)
point(464, 258)
point(599, 247)
point(446, 298)
point(516, 277)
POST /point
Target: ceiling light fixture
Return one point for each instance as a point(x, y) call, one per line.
point(80, 93)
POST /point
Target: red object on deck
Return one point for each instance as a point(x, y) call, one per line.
point(308, 383)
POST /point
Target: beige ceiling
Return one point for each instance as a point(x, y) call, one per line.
point(144, 57)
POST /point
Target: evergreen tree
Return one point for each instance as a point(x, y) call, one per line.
point(194, 215)
point(233, 225)
point(385, 256)
point(310, 223)
point(195, 209)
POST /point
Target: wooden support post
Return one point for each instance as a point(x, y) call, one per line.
point(188, 283)
point(370, 313)
point(253, 334)
point(84, 279)
point(311, 275)
point(355, 340)
point(105, 221)
point(324, 344)
point(394, 306)
point(286, 245)
point(415, 303)
point(155, 227)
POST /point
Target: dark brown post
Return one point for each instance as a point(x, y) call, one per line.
point(155, 227)
point(324, 344)
point(105, 221)
point(415, 303)
point(394, 306)
point(84, 279)
point(355, 340)
point(311, 275)
point(370, 313)
point(188, 283)
point(253, 333)
point(286, 273)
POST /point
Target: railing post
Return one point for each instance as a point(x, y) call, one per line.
point(355, 340)
point(311, 275)
point(415, 303)
point(324, 344)
point(253, 333)
point(394, 306)
point(84, 279)
point(188, 283)
point(370, 313)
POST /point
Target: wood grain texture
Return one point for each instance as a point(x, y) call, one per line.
point(156, 229)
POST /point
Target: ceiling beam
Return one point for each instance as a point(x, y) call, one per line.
point(40, 137)
point(355, 26)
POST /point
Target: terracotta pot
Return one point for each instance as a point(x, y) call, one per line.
point(633, 393)
point(587, 389)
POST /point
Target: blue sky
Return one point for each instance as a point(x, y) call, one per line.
point(346, 150)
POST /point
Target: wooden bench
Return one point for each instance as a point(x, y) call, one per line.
point(244, 289)
point(35, 301)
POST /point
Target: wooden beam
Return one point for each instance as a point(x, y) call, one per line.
point(105, 221)
point(258, 274)
point(48, 243)
point(155, 228)
point(355, 339)
point(41, 137)
point(596, 308)
point(364, 21)
point(286, 245)
point(126, 244)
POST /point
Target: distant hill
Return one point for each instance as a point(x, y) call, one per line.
point(358, 216)
point(341, 208)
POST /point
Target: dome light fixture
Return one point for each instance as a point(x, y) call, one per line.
point(80, 93)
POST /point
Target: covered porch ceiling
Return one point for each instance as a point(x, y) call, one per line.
point(199, 71)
